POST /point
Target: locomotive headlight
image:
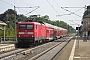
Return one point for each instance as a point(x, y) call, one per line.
point(32, 35)
point(19, 35)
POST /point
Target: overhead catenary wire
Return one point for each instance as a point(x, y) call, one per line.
point(73, 7)
point(29, 5)
point(32, 10)
point(69, 11)
point(78, 10)
point(23, 7)
point(20, 7)
point(59, 7)
point(56, 3)
point(52, 7)
point(72, 12)
point(22, 10)
point(7, 3)
point(10, 4)
point(24, 2)
point(36, 7)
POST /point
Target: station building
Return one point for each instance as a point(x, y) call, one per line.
point(86, 25)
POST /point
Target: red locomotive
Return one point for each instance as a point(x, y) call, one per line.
point(37, 32)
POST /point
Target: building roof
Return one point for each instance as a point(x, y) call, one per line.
point(2, 23)
point(87, 16)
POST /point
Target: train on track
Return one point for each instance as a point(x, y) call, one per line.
point(34, 32)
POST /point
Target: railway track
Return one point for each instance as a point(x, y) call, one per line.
point(10, 53)
point(38, 51)
point(50, 53)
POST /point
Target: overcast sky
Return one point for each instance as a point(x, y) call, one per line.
point(52, 8)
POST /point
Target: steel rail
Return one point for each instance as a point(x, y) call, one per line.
point(39, 55)
point(60, 50)
point(13, 52)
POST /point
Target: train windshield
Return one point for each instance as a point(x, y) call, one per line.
point(29, 26)
point(26, 26)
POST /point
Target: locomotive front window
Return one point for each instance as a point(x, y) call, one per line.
point(22, 27)
point(29, 26)
point(26, 26)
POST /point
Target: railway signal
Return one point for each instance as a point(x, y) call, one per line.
point(78, 28)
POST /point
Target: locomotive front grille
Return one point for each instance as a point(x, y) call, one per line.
point(26, 40)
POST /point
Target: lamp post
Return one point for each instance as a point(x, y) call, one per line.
point(78, 36)
point(15, 23)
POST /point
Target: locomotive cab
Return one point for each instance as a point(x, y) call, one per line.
point(25, 33)
point(30, 32)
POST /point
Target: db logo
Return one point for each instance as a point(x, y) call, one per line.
point(25, 32)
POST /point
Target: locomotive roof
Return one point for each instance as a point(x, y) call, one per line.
point(30, 22)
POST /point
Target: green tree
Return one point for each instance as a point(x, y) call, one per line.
point(1, 33)
point(11, 31)
point(21, 17)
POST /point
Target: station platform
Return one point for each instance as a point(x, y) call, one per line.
point(8, 42)
point(6, 46)
point(82, 49)
point(77, 49)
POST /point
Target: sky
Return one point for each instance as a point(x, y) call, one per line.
point(52, 8)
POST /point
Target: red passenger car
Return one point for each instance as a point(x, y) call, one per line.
point(57, 32)
point(49, 32)
point(65, 32)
